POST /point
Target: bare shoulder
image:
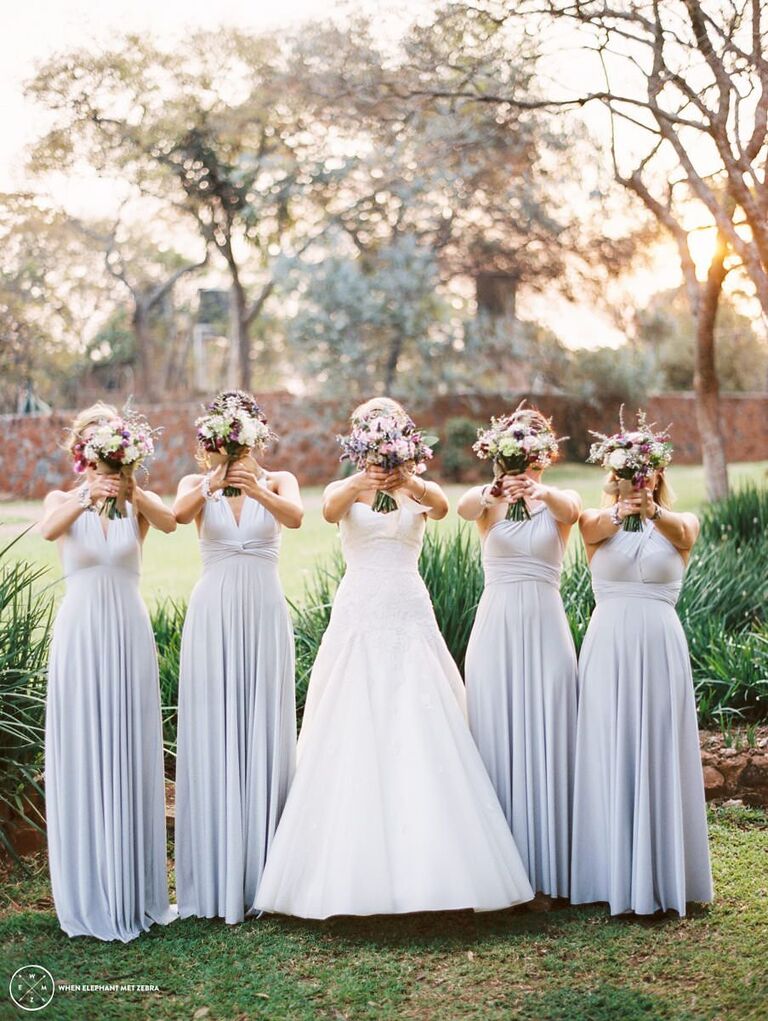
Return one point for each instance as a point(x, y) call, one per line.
point(283, 476)
point(572, 494)
point(54, 498)
point(333, 486)
point(588, 517)
point(188, 482)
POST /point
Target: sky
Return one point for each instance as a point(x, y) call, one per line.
point(32, 30)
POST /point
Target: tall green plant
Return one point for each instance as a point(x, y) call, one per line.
point(25, 626)
point(167, 623)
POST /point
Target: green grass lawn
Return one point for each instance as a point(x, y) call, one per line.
point(573, 964)
point(172, 562)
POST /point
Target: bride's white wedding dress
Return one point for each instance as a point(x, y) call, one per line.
point(391, 809)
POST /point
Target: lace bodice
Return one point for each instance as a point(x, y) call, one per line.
point(376, 541)
point(642, 564)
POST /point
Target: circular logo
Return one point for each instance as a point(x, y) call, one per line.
point(32, 987)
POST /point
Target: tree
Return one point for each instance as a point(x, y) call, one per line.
point(667, 329)
point(209, 128)
point(692, 78)
point(376, 326)
point(50, 294)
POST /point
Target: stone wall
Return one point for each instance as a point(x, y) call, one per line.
point(31, 462)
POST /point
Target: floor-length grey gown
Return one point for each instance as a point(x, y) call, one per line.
point(105, 799)
point(237, 719)
point(521, 692)
point(640, 828)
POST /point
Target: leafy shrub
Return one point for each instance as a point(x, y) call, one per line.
point(456, 454)
point(742, 517)
point(25, 625)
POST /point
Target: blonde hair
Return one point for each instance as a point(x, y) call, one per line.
point(663, 493)
point(379, 406)
point(98, 412)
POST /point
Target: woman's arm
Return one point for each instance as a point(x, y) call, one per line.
point(190, 498)
point(340, 495)
point(429, 494)
point(61, 509)
point(151, 511)
point(284, 503)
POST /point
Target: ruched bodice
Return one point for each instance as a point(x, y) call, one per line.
point(85, 546)
point(642, 565)
point(524, 550)
point(390, 542)
point(256, 536)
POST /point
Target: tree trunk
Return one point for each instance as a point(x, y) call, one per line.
point(390, 369)
point(239, 372)
point(705, 382)
point(142, 338)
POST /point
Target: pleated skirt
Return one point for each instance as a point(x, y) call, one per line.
point(521, 700)
point(640, 828)
point(236, 736)
point(105, 796)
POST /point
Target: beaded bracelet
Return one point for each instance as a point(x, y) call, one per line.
point(84, 497)
point(205, 488)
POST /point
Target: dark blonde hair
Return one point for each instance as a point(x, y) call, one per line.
point(379, 406)
point(92, 415)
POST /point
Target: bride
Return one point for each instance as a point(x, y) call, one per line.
point(391, 809)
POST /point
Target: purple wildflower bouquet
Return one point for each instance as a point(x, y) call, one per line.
point(515, 444)
point(116, 446)
point(387, 442)
point(230, 429)
point(631, 455)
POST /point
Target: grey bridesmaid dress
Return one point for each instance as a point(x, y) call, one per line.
point(237, 717)
point(640, 828)
point(105, 796)
point(521, 692)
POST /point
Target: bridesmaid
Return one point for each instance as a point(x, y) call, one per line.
point(521, 667)
point(640, 828)
point(103, 745)
point(237, 718)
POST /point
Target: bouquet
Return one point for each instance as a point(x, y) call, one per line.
point(631, 456)
point(515, 443)
point(116, 446)
point(231, 427)
point(388, 442)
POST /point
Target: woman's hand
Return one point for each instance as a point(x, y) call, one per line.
point(103, 487)
point(633, 504)
point(375, 478)
point(242, 478)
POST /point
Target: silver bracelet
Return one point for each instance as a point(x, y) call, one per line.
point(656, 514)
point(205, 488)
point(484, 502)
point(615, 516)
point(418, 499)
point(84, 497)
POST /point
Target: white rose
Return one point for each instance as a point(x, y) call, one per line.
point(618, 459)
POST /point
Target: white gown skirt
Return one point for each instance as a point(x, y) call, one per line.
point(391, 809)
point(640, 826)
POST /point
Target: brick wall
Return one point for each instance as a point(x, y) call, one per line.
point(31, 463)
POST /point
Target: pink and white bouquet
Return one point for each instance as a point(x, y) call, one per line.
point(388, 442)
point(231, 428)
point(515, 443)
point(631, 455)
point(116, 446)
